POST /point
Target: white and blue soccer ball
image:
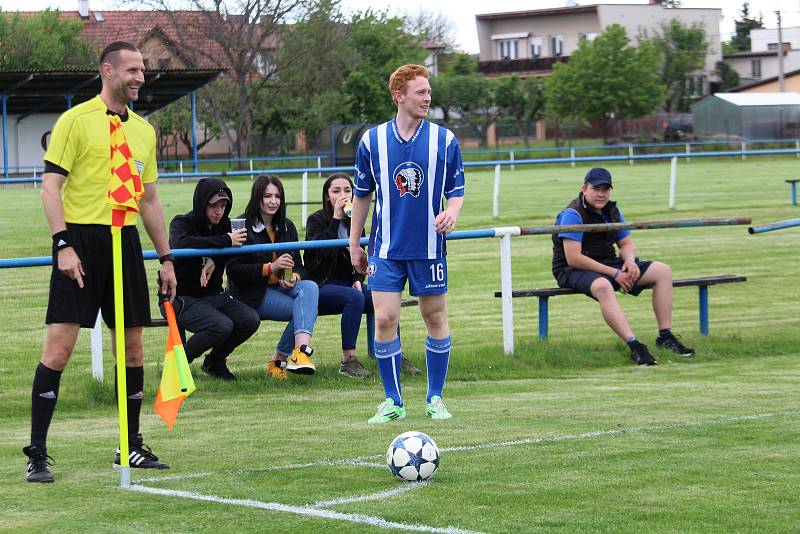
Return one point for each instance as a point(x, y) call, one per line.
point(413, 456)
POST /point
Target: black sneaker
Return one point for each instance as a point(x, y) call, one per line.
point(217, 368)
point(140, 456)
point(38, 470)
point(641, 355)
point(407, 366)
point(670, 342)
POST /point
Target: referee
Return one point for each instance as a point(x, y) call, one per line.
point(78, 162)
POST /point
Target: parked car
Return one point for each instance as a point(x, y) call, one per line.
point(678, 128)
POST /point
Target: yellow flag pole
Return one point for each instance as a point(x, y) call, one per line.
point(122, 387)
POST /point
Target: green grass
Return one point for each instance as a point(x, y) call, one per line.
point(607, 446)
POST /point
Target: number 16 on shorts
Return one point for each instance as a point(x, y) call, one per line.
point(425, 277)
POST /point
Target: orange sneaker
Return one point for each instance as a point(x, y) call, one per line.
point(276, 370)
point(300, 361)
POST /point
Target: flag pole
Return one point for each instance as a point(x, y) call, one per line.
point(122, 386)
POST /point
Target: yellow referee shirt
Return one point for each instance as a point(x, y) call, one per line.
point(80, 144)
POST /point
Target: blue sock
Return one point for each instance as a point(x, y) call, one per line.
point(388, 356)
point(437, 358)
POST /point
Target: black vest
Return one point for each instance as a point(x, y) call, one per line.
point(597, 245)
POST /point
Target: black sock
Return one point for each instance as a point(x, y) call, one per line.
point(134, 382)
point(44, 395)
point(664, 332)
point(633, 343)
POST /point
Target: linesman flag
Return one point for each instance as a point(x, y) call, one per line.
point(125, 185)
point(176, 378)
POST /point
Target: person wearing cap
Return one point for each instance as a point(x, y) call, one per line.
point(588, 262)
point(218, 321)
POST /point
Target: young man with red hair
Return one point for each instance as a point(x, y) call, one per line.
point(411, 165)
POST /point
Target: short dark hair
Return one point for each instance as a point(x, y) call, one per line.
point(110, 53)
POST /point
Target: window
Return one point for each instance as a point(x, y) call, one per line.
point(507, 49)
point(535, 44)
point(587, 36)
point(774, 46)
point(755, 69)
point(556, 45)
point(695, 86)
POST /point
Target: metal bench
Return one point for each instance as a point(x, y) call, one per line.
point(793, 184)
point(702, 284)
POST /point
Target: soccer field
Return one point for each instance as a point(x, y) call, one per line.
point(566, 435)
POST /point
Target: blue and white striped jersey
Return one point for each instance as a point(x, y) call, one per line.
point(410, 179)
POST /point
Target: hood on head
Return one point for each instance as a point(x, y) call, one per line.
point(207, 188)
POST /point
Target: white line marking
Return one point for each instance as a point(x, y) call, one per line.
point(406, 487)
point(302, 510)
point(364, 461)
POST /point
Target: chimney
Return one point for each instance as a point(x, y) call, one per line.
point(83, 8)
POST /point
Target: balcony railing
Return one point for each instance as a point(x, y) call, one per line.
point(509, 66)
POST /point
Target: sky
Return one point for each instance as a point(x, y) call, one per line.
point(462, 12)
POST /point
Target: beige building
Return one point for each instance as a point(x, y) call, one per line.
point(528, 43)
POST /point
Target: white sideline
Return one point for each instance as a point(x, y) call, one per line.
point(302, 510)
point(364, 460)
point(406, 487)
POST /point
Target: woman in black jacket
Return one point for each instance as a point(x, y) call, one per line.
point(341, 288)
point(271, 282)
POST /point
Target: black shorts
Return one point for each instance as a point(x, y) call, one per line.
point(70, 304)
point(581, 279)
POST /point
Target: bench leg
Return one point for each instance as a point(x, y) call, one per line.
point(543, 317)
point(370, 318)
point(703, 309)
point(794, 193)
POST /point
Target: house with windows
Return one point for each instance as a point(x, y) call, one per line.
point(761, 62)
point(529, 43)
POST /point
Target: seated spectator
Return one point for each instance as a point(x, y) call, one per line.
point(587, 262)
point(341, 289)
point(219, 322)
point(271, 282)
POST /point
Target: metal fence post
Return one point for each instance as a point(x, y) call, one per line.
point(97, 348)
point(673, 177)
point(511, 159)
point(688, 151)
point(304, 209)
point(630, 154)
point(496, 194)
point(572, 156)
point(744, 147)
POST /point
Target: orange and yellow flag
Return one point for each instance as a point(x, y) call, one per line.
point(125, 184)
point(176, 378)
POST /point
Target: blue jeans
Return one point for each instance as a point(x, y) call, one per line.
point(297, 305)
point(339, 297)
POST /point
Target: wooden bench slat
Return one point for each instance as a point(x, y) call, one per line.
point(681, 282)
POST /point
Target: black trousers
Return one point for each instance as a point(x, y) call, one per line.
point(220, 323)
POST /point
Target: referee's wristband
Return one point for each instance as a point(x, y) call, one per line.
point(61, 240)
point(166, 258)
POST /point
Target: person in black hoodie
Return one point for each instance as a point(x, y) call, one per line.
point(271, 282)
point(219, 321)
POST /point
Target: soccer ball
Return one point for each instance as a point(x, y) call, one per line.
point(413, 456)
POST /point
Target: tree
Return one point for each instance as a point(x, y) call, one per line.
point(44, 41)
point(239, 36)
point(683, 52)
point(433, 26)
point(173, 125)
point(381, 46)
point(741, 41)
point(727, 76)
point(606, 79)
point(523, 100)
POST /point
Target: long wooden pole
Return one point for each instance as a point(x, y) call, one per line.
point(642, 225)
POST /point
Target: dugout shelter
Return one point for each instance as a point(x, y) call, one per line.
point(33, 100)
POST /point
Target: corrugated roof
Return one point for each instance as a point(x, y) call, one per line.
point(760, 99)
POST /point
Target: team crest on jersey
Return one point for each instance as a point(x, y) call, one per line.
point(372, 268)
point(408, 178)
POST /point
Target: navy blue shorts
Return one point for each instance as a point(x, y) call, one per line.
point(581, 279)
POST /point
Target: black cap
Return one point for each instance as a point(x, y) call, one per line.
point(598, 176)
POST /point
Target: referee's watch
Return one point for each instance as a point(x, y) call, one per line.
point(166, 258)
